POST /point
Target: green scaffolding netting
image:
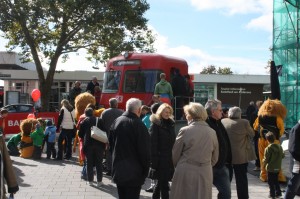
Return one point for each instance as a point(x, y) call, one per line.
point(285, 52)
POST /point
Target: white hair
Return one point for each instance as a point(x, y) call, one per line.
point(212, 104)
point(196, 111)
point(133, 104)
point(235, 113)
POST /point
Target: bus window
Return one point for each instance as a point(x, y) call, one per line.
point(111, 81)
point(140, 81)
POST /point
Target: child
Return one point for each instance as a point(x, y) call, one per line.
point(12, 145)
point(50, 132)
point(37, 137)
point(272, 162)
point(144, 110)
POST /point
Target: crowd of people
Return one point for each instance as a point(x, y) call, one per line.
point(214, 146)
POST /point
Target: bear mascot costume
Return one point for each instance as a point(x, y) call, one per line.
point(81, 102)
point(270, 118)
point(26, 143)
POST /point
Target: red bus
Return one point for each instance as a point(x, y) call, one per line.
point(135, 75)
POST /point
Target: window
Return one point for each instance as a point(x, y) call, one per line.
point(25, 109)
point(111, 81)
point(140, 81)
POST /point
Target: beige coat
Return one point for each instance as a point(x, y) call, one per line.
point(7, 172)
point(195, 151)
point(240, 134)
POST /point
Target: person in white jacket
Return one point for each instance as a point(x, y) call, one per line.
point(66, 125)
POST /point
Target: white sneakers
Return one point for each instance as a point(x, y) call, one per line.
point(89, 183)
point(99, 184)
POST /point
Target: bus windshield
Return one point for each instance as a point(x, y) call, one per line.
point(137, 81)
point(111, 81)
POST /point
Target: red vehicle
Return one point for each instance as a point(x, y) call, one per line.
point(135, 75)
point(19, 112)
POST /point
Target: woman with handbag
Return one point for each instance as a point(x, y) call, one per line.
point(67, 127)
point(162, 133)
point(92, 148)
point(240, 134)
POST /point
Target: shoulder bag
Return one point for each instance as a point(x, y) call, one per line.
point(98, 134)
point(74, 126)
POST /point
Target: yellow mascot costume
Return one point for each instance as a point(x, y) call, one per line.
point(26, 144)
point(270, 118)
point(81, 102)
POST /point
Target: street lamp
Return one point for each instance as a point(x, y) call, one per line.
point(240, 96)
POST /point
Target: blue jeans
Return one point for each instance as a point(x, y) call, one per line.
point(222, 182)
point(241, 179)
point(293, 186)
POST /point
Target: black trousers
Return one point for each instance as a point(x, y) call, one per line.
point(161, 190)
point(255, 142)
point(94, 157)
point(37, 152)
point(273, 184)
point(125, 192)
point(240, 173)
point(51, 149)
point(67, 135)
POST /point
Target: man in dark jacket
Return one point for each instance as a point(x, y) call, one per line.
point(179, 90)
point(130, 146)
point(108, 117)
point(76, 90)
point(91, 85)
point(222, 171)
point(294, 149)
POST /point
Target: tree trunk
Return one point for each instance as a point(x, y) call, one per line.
point(45, 90)
point(45, 86)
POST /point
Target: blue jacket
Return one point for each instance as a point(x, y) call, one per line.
point(51, 131)
point(146, 121)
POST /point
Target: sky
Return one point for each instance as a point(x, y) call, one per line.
point(224, 33)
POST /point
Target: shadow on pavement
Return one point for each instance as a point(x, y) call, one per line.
point(19, 175)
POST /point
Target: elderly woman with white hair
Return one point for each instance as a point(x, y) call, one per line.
point(195, 151)
point(240, 135)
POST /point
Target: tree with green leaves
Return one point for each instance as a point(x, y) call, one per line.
point(211, 69)
point(50, 29)
point(224, 71)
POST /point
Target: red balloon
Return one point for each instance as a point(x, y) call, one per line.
point(35, 94)
point(31, 116)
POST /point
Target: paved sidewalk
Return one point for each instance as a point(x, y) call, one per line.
point(49, 179)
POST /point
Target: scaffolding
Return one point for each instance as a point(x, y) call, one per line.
point(285, 51)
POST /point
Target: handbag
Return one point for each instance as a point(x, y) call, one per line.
point(98, 134)
point(250, 151)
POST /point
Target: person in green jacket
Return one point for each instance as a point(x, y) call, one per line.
point(37, 137)
point(164, 89)
point(272, 162)
point(12, 145)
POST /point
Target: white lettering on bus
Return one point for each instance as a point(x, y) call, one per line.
point(14, 122)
